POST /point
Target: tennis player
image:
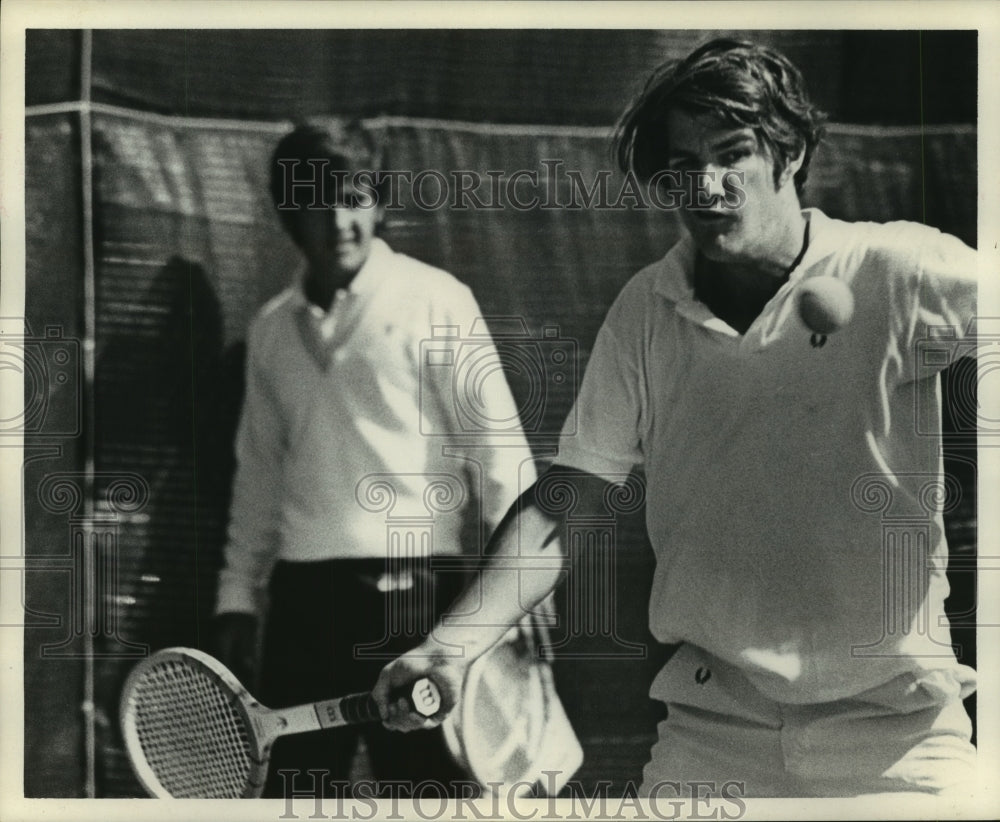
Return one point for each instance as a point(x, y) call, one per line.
point(342, 435)
point(790, 488)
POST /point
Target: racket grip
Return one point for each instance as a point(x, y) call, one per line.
point(358, 708)
point(423, 697)
point(353, 709)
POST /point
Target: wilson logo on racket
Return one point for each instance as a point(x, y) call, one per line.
point(331, 717)
point(425, 697)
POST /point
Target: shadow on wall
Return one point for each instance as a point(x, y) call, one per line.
point(168, 404)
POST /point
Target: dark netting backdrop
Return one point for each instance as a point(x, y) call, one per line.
point(54, 674)
point(186, 248)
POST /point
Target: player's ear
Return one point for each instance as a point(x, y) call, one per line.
point(791, 168)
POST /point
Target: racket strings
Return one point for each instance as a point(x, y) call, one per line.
point(193, 737)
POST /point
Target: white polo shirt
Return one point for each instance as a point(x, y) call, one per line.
point(793, 492)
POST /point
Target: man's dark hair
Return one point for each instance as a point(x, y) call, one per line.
point(748, 85)
point(337, 150)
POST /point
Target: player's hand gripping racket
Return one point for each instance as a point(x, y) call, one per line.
point(193, 731)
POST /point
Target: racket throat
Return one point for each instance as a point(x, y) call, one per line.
point(294, 720)
point(347, 710)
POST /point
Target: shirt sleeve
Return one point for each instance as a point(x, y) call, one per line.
point(251, 546)
point(602, 435)
point(942, 304)
point(478, 410)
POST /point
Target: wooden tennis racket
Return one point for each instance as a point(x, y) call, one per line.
point(193, 731)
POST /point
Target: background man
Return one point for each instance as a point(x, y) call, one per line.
point(815, 656)
point(341, 430)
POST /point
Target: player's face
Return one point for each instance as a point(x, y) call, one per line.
point(745, 234)
point(338, 240)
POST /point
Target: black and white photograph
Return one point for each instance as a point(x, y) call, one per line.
point(488, 411)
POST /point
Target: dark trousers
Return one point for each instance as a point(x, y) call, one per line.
point(329, 632)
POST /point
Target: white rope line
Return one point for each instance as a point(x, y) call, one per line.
point(512, 129)
point(170, 120)
point(854, 130)
point(438, 124)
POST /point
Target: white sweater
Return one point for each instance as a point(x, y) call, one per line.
point(352, 436)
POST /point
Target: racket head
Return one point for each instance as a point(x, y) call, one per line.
point(189, 728)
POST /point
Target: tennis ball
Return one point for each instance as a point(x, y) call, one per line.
point(825, 304)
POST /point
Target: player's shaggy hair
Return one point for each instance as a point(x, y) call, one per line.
point(748, 85)
point(346, 148)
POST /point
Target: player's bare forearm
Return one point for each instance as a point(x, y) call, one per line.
point(524, 565)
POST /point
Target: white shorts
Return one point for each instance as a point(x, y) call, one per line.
point(910, 734)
